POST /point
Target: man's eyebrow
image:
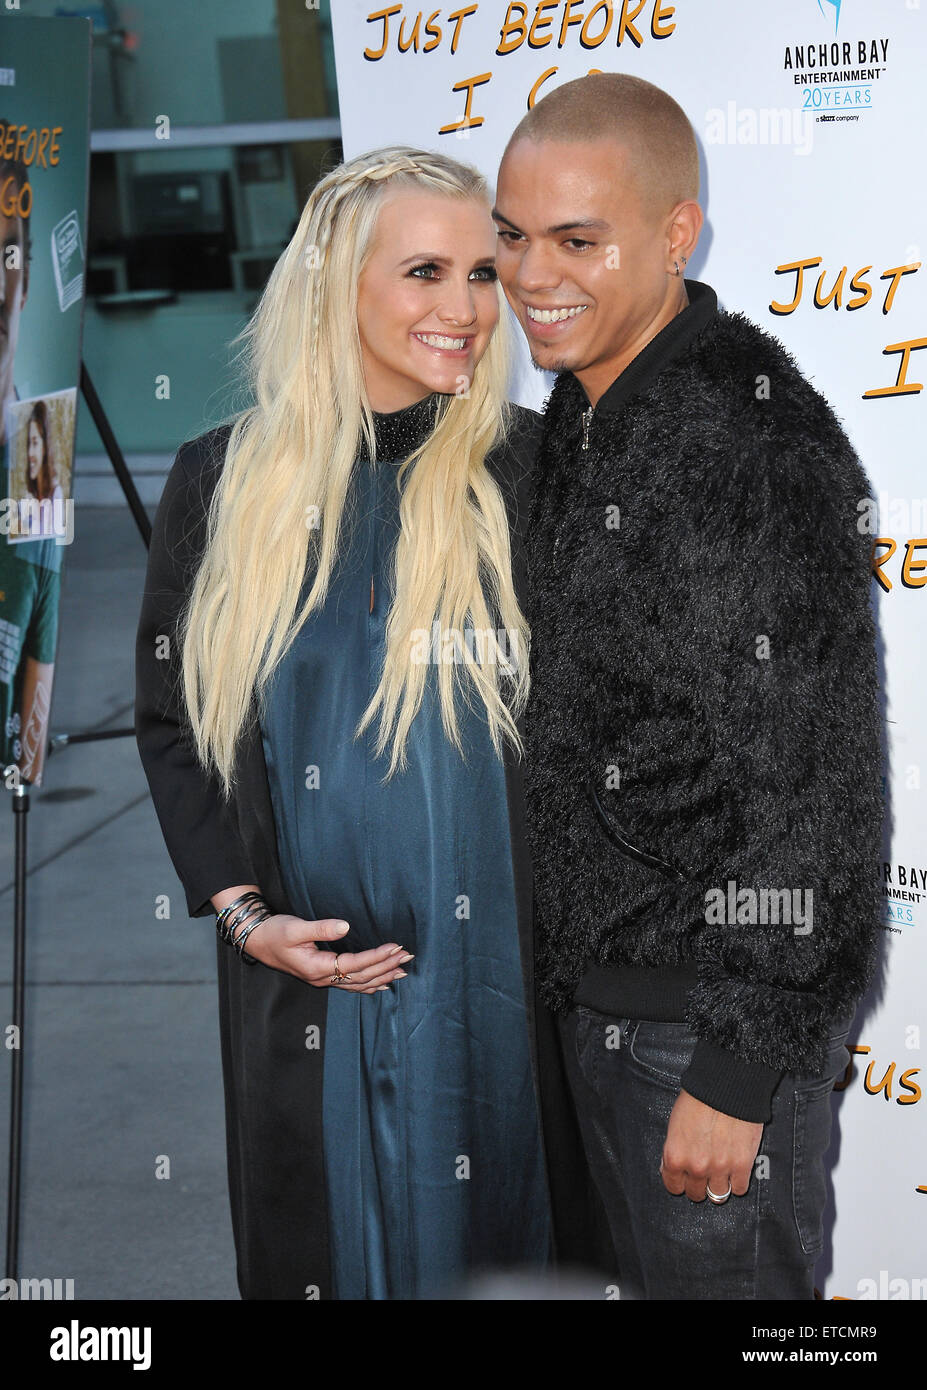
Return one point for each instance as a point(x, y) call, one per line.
point(589, 224)
point(498, 217)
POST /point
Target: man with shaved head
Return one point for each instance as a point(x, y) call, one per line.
point(703, 755)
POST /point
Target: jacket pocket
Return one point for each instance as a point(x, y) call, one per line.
point(627, 847)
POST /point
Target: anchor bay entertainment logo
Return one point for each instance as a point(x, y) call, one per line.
point(904, 888)
point(838, 77)
point(835, 5)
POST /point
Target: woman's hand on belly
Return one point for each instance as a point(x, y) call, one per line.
point(288, 943)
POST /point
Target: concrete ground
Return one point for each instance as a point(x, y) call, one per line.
point(122, 1064)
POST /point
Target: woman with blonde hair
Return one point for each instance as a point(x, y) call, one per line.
point(331, 670)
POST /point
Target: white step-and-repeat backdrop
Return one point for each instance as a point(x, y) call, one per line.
point(810, 119)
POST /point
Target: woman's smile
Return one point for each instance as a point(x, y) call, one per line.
point(446, 346)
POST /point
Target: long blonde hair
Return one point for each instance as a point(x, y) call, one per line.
point(289, 461)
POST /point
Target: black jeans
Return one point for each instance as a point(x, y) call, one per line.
point(625, 1076)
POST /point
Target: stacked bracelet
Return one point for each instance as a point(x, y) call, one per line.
point(246, 912)
point(225, 922)
point(243, 936)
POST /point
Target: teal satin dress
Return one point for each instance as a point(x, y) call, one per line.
point(433, 1163)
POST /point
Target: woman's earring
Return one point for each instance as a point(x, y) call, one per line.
point(676, 264)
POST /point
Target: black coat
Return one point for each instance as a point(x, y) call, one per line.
point(705, 702)
point(272, 1076)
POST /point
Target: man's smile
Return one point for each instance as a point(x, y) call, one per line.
point(551, 323)
point(538, 315)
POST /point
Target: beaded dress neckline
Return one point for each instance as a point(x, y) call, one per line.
point(398, 432)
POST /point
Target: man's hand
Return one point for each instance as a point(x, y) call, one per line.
point(706, 1148)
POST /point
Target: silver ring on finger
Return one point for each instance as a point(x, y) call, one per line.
point(719, 1200)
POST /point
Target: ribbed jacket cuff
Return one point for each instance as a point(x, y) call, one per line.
point(729, 1084)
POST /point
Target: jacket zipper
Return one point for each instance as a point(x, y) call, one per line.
point(587, 421)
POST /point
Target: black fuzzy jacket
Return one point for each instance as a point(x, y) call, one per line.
point(704, 704)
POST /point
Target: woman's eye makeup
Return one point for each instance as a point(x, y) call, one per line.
point(429, 270)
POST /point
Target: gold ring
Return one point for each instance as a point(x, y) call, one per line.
point(338, 977)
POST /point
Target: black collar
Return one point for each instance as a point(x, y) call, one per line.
point(668, 343)
point(398, 432)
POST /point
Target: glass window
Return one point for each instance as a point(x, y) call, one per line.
point(211, 122)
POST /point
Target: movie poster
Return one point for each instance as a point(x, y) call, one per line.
point(44, 175)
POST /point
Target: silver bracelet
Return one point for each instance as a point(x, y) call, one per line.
point(226, 927)
point(222, 918)
point(239, 941)
point(242, 915)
